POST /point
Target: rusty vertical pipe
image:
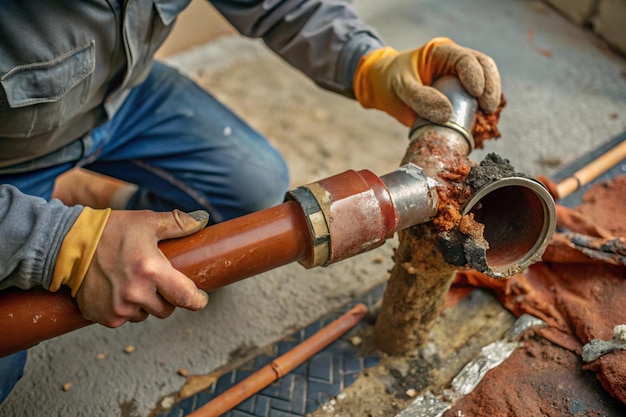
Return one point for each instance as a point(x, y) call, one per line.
point(498, 225)
point(421, 276)
point(319, 224)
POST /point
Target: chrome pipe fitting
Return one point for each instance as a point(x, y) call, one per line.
point(413, 195)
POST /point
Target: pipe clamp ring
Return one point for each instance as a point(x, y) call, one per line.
point(466, 134)
point(318, 225)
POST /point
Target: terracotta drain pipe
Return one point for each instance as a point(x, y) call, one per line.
point(319, 224)
point(518, 215)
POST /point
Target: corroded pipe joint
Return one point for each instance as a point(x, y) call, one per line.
point(458, 129)
point(354, 212)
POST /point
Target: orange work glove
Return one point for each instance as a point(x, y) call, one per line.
point(115, 269)
point(397, 83)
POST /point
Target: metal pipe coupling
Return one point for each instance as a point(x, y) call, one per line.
point(353, 212)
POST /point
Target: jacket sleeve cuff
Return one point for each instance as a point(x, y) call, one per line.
point(357, 47)
point(78, 249)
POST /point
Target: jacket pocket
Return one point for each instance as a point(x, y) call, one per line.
point(39, 97)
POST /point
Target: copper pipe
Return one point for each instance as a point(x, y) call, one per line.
point(591, 171)
point(282, 365)
point(322, 223)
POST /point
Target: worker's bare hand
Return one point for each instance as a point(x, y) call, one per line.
point(130, 278)
point(399, 82)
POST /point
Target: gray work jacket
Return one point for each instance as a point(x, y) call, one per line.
point(66, 66)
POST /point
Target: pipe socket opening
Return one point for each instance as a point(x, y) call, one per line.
point(519, 218)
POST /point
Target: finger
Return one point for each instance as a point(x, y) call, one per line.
point(181, 291)
point(104, 318)
point(490, 99)
point(428, 102)
point(98, 310)
point(471, 75)
point(158, 306)
point(177, 223)
point(140, 315)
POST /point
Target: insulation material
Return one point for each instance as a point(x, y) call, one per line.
point(538, 379)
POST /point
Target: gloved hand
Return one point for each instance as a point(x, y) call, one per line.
point(112, 263)
point(398, 83)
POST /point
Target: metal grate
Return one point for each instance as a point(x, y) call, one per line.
point(305, 389)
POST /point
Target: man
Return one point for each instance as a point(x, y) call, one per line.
point(80, 89)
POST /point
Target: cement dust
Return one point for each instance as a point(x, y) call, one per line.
point(456, 337)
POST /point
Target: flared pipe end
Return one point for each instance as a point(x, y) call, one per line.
point(519, 216)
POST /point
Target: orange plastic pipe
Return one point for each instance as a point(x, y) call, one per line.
point(240, 248)
point(282, 365)
point(214, 257)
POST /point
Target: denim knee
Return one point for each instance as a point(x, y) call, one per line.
point(11, 370)
point(261, 186)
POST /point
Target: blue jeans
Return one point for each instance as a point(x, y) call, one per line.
point(180, 146)
point(11, 370)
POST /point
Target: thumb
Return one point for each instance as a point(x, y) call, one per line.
point(428, 102)
point(178, 224)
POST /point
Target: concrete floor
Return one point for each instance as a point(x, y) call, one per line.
point(559, 107)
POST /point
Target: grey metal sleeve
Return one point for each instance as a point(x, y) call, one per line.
point(325, 39)
point(32, 231)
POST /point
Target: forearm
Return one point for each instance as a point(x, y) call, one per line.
point(32, 231)
point(323, 39)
